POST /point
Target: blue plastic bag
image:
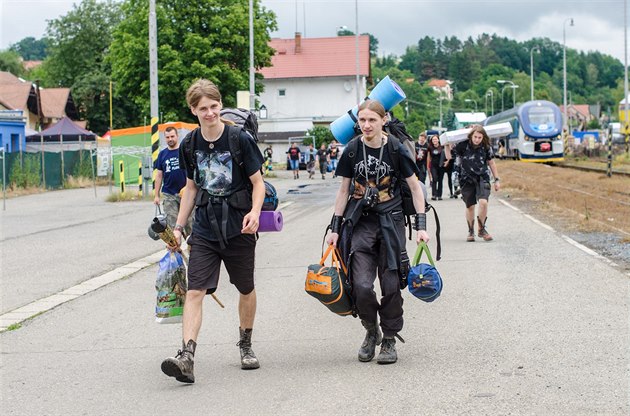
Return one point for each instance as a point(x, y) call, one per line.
point(171, 286)
point(423, 280)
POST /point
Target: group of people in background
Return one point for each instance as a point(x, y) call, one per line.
point(325, 158)
point(472, 161)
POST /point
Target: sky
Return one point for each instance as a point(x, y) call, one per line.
point(598, 24)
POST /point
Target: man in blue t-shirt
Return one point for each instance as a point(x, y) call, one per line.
point(170, 178)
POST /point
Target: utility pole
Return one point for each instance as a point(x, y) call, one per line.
point(356, 46)
point(625, 74)
point(252, 85)
point(153, 83)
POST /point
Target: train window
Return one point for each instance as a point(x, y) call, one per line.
point(541, 116)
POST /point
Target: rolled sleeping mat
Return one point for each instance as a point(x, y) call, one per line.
point(270, 221)
point(493, 131)
point(386, 92)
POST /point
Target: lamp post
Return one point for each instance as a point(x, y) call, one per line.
point(564, 67)
point(490, 92)
point(470, 100)
point(531, 68)
point(440, 99)
point(511, 85)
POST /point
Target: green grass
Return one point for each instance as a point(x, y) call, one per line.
point(13, 327)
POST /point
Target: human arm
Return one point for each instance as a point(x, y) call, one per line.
point(341, 201)
point(495, 173)
point(418, 204)
point(251, 221)
point(158, 186)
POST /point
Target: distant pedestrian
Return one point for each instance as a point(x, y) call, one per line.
point(293, 156)
point(322, 159)
point(422, 150)
point(309, 157)
point(333, 155)
point(476, 156)
point(268, 155)
point(435, 164)
point(170, 179)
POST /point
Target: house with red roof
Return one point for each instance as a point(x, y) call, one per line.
point(442, 87)
point(311, 81)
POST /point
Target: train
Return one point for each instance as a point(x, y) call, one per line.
point(536, 132)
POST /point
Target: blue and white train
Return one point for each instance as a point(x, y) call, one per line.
point(536, 132)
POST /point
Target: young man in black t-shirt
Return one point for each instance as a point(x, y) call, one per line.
point(369, 197)
point(322, 159)
point(475, 157)
point(422, 150)
point(225, 226)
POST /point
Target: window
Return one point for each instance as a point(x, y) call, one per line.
point(282, 92)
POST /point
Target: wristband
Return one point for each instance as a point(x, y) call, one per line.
point(335, 223)
point(420, 222)
point(496, 179)
point(179, 227)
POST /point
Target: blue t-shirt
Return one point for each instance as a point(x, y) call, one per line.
point(173, 177)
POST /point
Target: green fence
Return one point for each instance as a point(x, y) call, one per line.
point(25, 169)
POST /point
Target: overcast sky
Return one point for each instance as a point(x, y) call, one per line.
point(397, 23)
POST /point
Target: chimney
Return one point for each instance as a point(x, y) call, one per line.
point(298, 42)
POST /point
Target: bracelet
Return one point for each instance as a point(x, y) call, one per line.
point(178, 227)
point(335, 223)
point(420, 222)
point(496, 179)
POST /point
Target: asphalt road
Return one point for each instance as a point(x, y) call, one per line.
point(528, 324)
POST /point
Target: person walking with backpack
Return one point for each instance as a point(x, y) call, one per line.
point(224, 182)
point(369, 198)
point(435, 165)
point(322, 159)
point(170, 179)
point(293, 157)
point(475, 156)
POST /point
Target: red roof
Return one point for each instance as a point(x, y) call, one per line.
point(438, 83)
point(318, 57)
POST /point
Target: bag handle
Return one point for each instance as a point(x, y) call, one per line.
point(336, 258)
point(422, 247)
point(158, 210)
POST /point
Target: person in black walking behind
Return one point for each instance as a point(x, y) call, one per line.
point(422, 151)
point(228, 190)
point(436, 167)
point(447, 165)
point(370, 197)
point(293, 156)
point(322, 159)
point(476, 157)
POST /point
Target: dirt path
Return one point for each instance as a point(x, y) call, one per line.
point(589, 207)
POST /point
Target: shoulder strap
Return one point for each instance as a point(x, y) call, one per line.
point(393, 144)
point(234, 133)
point(189, 147)
point(352, 147)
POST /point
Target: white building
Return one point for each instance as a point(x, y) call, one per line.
point(312, 81)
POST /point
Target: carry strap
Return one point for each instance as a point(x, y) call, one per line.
point(429, 207)
point(336, 258)
point(422, 247)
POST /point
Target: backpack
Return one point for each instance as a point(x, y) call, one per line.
point(393, 144)
point(243, 118)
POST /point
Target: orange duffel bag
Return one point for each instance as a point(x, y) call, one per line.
point(330, 284)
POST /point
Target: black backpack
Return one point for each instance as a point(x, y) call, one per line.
point(393, 145)
point(243, 118)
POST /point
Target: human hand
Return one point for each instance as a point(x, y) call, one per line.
point(422, 235)
point(251, 222)
point(497, 186)
point(332, 239)
point(178, 240)
point(156, 200)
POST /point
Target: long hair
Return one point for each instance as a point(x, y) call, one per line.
point(374, 106)
point(431, 145)
point(485, 142)
point(204, 88)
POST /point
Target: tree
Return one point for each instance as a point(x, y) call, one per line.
point(31, 49)
point(10, 62)
point(322, 135)
point(196, 39)
point(78, 43)
point(344, 31)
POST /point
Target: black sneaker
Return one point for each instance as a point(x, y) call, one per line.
point(388, 353)
point(182, 365)
point(373, 338)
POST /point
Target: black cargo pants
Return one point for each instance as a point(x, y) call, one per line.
point(369, 256)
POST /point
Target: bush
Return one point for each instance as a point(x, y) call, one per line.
point(321, 134)
point(83, 169)
point(27, 174)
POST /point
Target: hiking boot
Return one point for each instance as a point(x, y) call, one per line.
point(471, 231)
point(323, 177)
point(182, 365)
point(248, 358)
point(388, 351)
point(373, 338)
point(483, 233)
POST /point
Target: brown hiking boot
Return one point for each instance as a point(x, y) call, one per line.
point(483, 233)
point(182, 365)
point(471, 231)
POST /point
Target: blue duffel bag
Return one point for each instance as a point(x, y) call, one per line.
point(423, 280)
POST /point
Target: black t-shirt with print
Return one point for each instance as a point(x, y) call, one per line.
point(321, 154)
point(294, 153)
point(219, 175)
point(383, 171)
point(422, 151)
point(474, 160)
point(333, 151)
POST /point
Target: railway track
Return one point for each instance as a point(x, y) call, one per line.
point(592, 169)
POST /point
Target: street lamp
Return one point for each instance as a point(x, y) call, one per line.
point(513, 86)
point(564, 67)
point(470, 100)
point(491, 94)
point(440, 99)
point(531, 68)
